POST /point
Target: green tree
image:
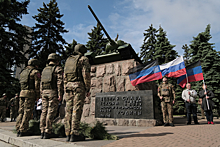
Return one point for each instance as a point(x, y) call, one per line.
point(164, 50)
point(13, 37)
point(148, 47)
point(47, 32)
point(186, 54)
point(202, 50)
point(97, 42)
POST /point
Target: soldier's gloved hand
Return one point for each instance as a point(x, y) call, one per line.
point(161, 97)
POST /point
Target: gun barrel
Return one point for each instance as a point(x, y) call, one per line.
point(109, 38)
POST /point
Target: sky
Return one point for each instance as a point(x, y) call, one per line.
point(181, 19)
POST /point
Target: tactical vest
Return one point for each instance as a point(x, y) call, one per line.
point(2, 102)
point(72, 72)
point(166, 92)
point(25, 81)
point(48, 80)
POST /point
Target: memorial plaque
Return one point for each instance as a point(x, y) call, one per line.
point(127, 104)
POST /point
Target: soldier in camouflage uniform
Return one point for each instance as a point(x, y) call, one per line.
point(77, 85)
point(30, 91)
point(14, 107)
point(3, 107)
point(166, 94)
point(52, 93)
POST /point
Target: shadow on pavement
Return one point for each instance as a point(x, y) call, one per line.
point(150, 135)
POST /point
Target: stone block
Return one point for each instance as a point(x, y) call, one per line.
point(92, 74)
point(93, 69)
point(86, 110)
point(143, 123)
point(109, 69)
point(126, 66)
point(109, 122)
point(120, 84)
point(94, 90)
point(99, 83)
point(87, 100)
point(109, 84)
point(132, 122)
point(128, 86)
point(92, 107)
point(101, 70)
point(117, 69)
point(93, 82)
point(123, 122)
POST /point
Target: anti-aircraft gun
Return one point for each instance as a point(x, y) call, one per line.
point(118, 48)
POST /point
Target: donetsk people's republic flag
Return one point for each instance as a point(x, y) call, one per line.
point(175, 68)
point(194, 73)
point(145, 73)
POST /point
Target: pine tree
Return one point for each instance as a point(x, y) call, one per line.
point(186, 54)
point(47, 32)
point(97, 42)
point(13, 37)
point(164, 50)
point(202, 50)
point(148, 47)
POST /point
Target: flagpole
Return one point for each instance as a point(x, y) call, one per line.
point(206, 95)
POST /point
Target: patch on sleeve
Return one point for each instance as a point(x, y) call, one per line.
point(38, 75)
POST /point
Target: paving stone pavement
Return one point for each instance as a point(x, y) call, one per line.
point(202, 135)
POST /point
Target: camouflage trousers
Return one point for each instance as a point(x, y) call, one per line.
point(2, 112)
point(13, 112)
point(49, 109)
point(26, 106)
point(167, 110)
point(74, 107)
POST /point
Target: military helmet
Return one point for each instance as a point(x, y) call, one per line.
point(53, 56)
point(80, 48)
point(33, 62)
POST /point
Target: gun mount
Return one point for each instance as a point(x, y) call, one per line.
point(117, 50)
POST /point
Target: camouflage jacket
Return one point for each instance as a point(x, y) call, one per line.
point(14, 102)
point(3, 102)
point(166, 90)
point(58, 74)
point(83, 63)
point(35, 74)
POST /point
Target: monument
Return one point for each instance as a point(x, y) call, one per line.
point(113, 100)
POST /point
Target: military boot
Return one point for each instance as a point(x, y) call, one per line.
point(47, 135)
point(18, 134)
point(42, 135)
point(24, 134)
point(74, 138)
point(68, 138)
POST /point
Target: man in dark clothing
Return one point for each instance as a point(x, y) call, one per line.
point(207, 103)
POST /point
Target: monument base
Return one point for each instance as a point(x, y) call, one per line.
point(130, 122)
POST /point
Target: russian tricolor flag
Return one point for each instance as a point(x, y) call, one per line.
point(194, 73)
point(175, 68)
point(145, 73)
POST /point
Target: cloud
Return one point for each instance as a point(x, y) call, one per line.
point(182, 20)
point(78, 32)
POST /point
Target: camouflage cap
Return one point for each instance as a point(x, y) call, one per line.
point(33, 62)
point(53, 56)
